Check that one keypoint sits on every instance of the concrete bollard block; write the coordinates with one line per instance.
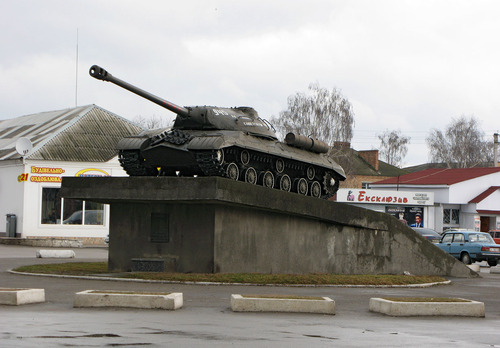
(495, 270)
(109, 298)
(62, 254)
(468, 308)
(15, 297)
(322, 305)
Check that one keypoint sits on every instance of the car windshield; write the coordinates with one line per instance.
(480, 238)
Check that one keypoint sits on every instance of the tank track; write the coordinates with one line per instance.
(249, 166)
(269, 171)
(132, 162)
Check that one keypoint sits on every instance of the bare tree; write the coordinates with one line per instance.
(322, 113)
(461, 145)
(152, 122)
(393, 147)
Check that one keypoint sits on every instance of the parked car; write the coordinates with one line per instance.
(495, 234)
(427, 233)
(92, 217)
(471, 246)
(106, 239)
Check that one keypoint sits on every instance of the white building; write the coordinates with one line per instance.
(463, 198)
(36, 151)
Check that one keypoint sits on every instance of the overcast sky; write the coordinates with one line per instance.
(404, 65)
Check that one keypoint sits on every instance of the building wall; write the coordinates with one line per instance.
(11, 194)
(358, 180)
(21, 188)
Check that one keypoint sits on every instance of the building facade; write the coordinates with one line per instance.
(463, 198)
(36, 151)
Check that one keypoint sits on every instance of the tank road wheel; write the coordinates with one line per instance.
(310, 173)
(244, 157)
(251, 175)
(330, 184)
(315, 189)
(232, 171)
(285, 183)
(280, 165)
(301, 186)
(267, 179)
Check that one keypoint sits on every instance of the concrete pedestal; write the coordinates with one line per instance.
(212, 224)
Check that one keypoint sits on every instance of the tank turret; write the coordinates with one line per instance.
(241, 118)
(232, 142)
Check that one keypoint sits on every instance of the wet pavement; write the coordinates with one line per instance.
(206, 319)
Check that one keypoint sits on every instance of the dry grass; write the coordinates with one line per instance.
(93, 268)
(425, 299)
(285, 297)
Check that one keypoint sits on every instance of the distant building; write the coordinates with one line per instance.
(37, 150)
(363, 167)
(463, 198)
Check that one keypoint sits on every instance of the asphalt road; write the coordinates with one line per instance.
(206, 319)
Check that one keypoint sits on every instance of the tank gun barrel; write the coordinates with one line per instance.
(101, 74)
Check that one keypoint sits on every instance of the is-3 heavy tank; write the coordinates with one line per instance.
(229, 142)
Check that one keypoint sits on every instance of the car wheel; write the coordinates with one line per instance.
(492, 263)
(465, 258)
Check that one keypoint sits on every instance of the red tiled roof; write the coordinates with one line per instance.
(485, 194)
(439, 176)
(490, 212)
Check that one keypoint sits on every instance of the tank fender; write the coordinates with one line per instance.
(206, 143)
(133, 143)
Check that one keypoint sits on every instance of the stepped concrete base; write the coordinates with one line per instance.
(58, 254)
(15, 297)
(403, 309)
(108, 298)
(217, 225)
(241, 303)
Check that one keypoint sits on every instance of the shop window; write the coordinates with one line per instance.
(451, 216)
(51, 206)
(73, 211)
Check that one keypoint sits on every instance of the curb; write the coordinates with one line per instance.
(425, 285)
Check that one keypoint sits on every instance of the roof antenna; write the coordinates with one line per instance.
(76, 79)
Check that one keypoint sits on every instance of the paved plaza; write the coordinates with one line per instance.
(206, 319)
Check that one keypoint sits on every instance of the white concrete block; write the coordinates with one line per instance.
(110, 298)
(15, 297)
(495, 270)
(399, 308)
(322, 305)
(63, 254)
(475, 268)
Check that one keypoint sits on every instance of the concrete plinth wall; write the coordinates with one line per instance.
(217, 225)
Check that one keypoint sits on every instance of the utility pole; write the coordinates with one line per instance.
(495, 150)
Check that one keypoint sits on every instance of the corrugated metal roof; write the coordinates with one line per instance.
(82, 134)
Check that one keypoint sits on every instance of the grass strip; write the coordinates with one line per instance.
(425, 299)
(285, 297)
(93, 268)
